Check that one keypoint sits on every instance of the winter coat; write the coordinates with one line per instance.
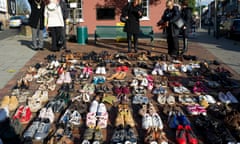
(37, 15)
(132, 25)
(170, 16)
(186, 14)
(65, 10)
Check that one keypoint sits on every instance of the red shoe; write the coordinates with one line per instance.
(181, 135)
(124, 68)
(118, 69)
(192, 139)
(26, 115)
(18, 113)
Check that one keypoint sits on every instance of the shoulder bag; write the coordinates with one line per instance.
(179, 23)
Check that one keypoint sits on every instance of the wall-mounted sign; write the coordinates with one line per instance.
(3, 5)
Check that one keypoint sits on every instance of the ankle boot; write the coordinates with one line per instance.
(129, 46)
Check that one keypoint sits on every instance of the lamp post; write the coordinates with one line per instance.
(215, 18)
(200, 15)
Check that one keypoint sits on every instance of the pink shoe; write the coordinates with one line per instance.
(91, 120)
(60, 79)
(89, 70)
(102, 120)
(67, 78)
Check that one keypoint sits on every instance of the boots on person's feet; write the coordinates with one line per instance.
(129, 46)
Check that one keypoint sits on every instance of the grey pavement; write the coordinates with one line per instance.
(14, 54)
(228, 51)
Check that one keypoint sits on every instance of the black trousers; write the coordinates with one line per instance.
(173, 45)
(185, 40)
(56, 34)
(135, 40)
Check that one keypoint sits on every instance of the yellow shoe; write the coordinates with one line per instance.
(128, 118)
(5, 101)
(13, 103)
(120, 118)
(114, 76)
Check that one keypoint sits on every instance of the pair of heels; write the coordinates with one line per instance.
(118, 75)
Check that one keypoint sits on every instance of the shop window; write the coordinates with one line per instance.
(78, 11)
(145, 6)
(105, 13)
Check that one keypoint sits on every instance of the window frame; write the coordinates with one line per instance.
(79, 10)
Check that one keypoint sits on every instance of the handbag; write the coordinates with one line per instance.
(179, 23)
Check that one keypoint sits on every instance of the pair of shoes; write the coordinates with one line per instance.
(47, 113)
(118, 75)
(64, 78)
(140, 99)
(42, 94)
(39, 129)
(124, 135)
(71, 116)
(124, 117)
(118, 90)
(184, 134)
(101, 70)
(99, 79)
(23, 114)
(122, 68)
(10, 102)
(163, 99)
(97, 116)
(92, 135)
(152, 120)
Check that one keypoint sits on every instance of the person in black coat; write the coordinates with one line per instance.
(36, 21)
(186, 14)
(65, 12)
(170, 15)
(132, 12)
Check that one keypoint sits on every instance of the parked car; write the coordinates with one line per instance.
(234, 30)
(16, 21)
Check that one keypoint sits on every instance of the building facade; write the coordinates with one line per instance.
(3, 12)
(91, 13)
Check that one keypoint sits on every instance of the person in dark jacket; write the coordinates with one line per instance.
(170, 15)
(186, 14)
(65, 13)
(36, 21)
(132, 12)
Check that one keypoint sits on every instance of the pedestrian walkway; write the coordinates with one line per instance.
(226, 50)
(14, 54)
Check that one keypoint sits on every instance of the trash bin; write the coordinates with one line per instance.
(82, 35)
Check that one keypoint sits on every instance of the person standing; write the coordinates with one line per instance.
(132, 12)
(171, 15)
(36, 21)
(186, 14)
(65, 13)
(54, 23)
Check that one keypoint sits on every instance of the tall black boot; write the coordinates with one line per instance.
(135, 46)
(129, 46)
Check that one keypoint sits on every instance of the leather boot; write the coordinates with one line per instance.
(135, 47)
(129, 46)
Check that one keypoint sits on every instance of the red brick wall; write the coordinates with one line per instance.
(89, 13)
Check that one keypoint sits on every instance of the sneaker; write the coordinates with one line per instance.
(42, 130)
